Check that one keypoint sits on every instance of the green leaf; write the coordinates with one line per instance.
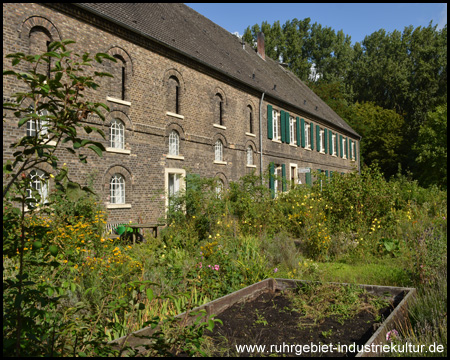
(97, 149)
(150, 294)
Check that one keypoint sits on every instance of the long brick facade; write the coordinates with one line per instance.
(160, 87)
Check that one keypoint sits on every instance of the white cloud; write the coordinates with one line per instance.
(236, 33)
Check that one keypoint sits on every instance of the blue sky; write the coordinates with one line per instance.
(356, 20)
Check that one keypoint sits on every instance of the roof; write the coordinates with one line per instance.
(179, 27)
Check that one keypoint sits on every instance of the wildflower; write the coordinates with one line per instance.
(275, 270)
(216, 267)
(392, 335)
(200, 265)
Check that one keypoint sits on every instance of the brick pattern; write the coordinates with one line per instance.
(148, 99)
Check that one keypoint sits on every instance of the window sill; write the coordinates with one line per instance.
(118, 101)
(250, 134)
(322, 152)
(220, 126)
(307, 148)
(277, 141)
(118, 206)
(220, 162)
(175, 157)
(291, 144)
(118, 151)
(178, 116)
(251, 166)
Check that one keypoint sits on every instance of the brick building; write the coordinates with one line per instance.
(187, 97)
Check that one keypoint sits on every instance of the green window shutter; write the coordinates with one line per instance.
(269, 122)
(283, 176)
(288, 128)
(325, 134)
(331, 174)
(297, 124)
(356, 151)
(283, 126)
(302, 125)
(311, 127)
(330, 137)
(272, 179)
(340, 145)
(318, 144)
(350, 148)
(326, 173)
(308, 177)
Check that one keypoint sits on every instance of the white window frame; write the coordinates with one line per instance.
(275, 125)
(353, 149)
(292, 126)
(38, 125)
(39, 183)
(344, 148)
(322, 141)
(117, 189)
(174, 143)
(117, 134)
(179, 175)
(333, 144)
(308, 136)
(218, 151)
(294, 167)
(249, 156)
(277, 173)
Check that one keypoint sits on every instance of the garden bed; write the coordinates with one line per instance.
(285, 314)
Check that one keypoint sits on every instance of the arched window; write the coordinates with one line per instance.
(218, 111)
(38, 183)
(219, 186)
(173, 102)
(117, 189)
(174, 143)
(250, 119)
(218, 151)
(118, 70)
(38, 126)
(117, 134)
(249, 155)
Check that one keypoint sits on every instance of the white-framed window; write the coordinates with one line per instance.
(249, 155)
(38, 126)
(276, 125)
(292, 127)
(174, 143)
(219, 187)
(174, 183)
(117, 189)
(278, 183)
(344, 147)
(218, 151)
(322, 141)
(307, 136)
(333, 144)
(117, 134)
(39, 182)
(353, 150)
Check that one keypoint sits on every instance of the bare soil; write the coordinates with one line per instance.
(271, 319)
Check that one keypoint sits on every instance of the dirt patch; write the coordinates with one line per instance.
(283, 320)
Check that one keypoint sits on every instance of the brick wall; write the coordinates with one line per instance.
(147, 110)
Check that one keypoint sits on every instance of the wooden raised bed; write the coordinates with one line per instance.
(400, 296)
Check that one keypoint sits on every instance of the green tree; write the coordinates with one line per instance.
(381, 131)
(56, 104)
(431, 148)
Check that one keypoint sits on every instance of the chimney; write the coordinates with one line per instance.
(260, 42)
